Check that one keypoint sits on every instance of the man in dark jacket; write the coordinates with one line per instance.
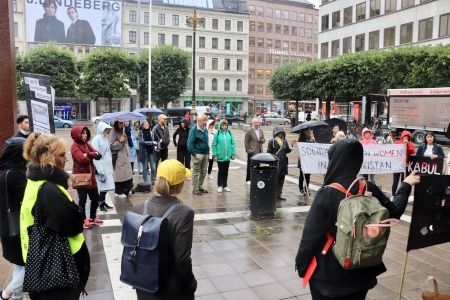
(162, 131)
(182, 132)
(199, 148)
(49, 28)
(23, 122)
(80, 31)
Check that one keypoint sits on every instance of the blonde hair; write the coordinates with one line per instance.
(163, 188)
(202, 117)
(40, 149)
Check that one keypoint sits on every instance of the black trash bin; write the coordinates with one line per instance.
(264, 183)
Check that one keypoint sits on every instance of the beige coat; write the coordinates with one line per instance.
(252, 144)
(122, 171)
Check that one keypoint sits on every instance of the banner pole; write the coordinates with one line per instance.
(403, 276)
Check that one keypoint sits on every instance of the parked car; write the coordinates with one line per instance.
(277, 120)
(233, 119)
(60, 123)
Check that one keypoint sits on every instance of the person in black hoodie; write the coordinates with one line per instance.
(183, 155)
(149, 144)
(330, 280)
(12, 187)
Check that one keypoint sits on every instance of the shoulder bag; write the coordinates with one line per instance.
(50, 263)
(83, 180)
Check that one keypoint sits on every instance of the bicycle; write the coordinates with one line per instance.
(387, 137)
(354, 131)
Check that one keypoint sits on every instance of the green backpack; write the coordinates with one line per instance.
(362, 228)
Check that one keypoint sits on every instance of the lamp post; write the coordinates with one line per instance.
(194, 18)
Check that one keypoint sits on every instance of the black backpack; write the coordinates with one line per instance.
(145, 256)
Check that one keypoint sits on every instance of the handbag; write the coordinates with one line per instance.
(13, 216)
(50, 263)
(434, 295)
(82, 180)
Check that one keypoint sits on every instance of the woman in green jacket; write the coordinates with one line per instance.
(224, 150)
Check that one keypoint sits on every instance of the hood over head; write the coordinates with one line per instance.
(365, 130)
(186, 123)
(12, 156)
(220, 124)
(406, 133)
(345, 160)
(277, 129)
(101, 128)
(209, 123)
(76, 131)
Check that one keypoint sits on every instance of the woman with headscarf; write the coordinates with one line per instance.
(12, 187)
(330, 280)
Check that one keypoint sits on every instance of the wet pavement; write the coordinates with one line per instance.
(238, 255)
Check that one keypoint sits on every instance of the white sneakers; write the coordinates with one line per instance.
(210, 177)
(226, 189)
(121, 195)
(219, 189)
(248, 182)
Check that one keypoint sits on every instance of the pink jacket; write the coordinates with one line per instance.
(369, 141)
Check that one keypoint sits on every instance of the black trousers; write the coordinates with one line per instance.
(162, 155)
(184, 157)
(210, 165)
(316, 295)
(222, 176)
(247, 177)
(82, 198)
(300, 180)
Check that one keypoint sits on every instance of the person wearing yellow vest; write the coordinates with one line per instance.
(46, 155)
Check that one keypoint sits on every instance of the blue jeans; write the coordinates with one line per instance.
(150, 157)
(16, 283)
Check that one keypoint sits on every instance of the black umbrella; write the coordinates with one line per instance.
(339, 122)
(322, 135)
(313, 125)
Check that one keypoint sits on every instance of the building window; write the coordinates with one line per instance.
(259, 89)
(277, 13)
(132, 36)
(161, 19)
(227, 44)
(301, 31)
(301, 17)
(406, 4)
(240, 26)
(276, 59)
(308, 33)
(308, 47)
(188, 41)
(251, 41)
(15, 7)
(226, 85)
(348, 15)
(286, 30)
(201, 42)
(239, 85)
(201, 84)
(268, 73)
(334, 48)
(227, 64)
(215, 63)
(285, 45)
(286, 15)
(444, 25)
(324, 50)
(239, 64)
(269, 91)
(214, 84)
(285, 59)
(227, 25)
(215, 43)
(360, 42)
(301, 46)
(425, 29)
(294, 16)
(325, 21)
(240, 45)
(251, 89)
(16, 29)
(389, 37)
(293, 46)
(269, 28)
(375, 8)
(347, 45)
(259, 74)
(132, 16)
(201, 63)
(260, 11)
(336, 19)
(146, 38)
(361, 11)
(316, 33)
(277, 44)
(146, 17)
(309, 18)
(175, 40)
(251, 9)
(277, 28)
(251, 73)
(390, 6)
(406, 31)
(374, 40)
(251, 25)
(268, 59)
(269, 12)
(316, 48)
(161, 38)
(260, 26)
(294, 31)
(251, 57)
(260, 43)
(269, 43)
(215, 24)
(260, 57)
(175, 20)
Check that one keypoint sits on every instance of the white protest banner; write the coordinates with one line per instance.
(378, 159)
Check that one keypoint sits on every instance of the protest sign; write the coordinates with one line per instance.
(425, 165)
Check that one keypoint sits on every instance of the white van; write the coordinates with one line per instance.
(200, 109)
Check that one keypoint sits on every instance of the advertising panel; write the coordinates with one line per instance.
(80, 22)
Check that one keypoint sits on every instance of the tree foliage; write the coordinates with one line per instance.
(170, 70)
(48, 59)
(108, 73)
(352, 75)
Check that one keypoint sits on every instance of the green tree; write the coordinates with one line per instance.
(108, 73)
(170, 71)
(48, 59)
